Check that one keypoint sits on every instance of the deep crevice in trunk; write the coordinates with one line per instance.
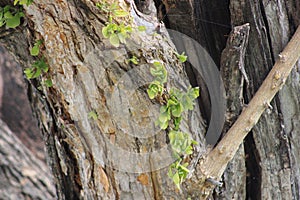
(265, 19)
(253, 182)
(213, 26)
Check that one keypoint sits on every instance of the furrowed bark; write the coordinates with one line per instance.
(89, 74)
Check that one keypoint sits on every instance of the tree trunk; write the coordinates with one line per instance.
(117, 156)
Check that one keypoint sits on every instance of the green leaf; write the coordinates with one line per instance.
(158, 64)
(120, 13)
(113, 6)
(41, 64)
(159, 72)
(152, 93)
(105, 32)
(102, 6)
(48, 83)
(8, 15)
(189, 150)
(163, 109)
(172, 102)
(142, 28)
(1, 14)
(122, 38)
(29, 2)
(114, 40)
(35, 50)
(154, 89)
(6, 8)
(23, 2)
(134, 60)
(182, 57)
(164, 125)
(29, 73)
(164, 116)
(39, 42)
(187, 103)
(194, 92)
(170, 173)
(172, 137)
(13, 22)
(177, 121)
(37, 73)
(177, 110)
(176, 178)
(128, 29)
(93, 115)
(20, 14)
(193, 142)
(184, 169)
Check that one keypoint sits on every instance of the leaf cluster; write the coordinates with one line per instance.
(156, 87)
(10, 16)
(39, 66)
(178, 172)
(112, 9)
(116, 32)
(170, 118)
(177, 103)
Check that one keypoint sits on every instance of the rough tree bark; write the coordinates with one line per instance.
(86, 71)
(78, 55)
